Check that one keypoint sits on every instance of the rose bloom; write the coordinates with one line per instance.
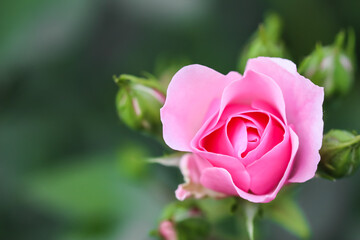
(248, 135)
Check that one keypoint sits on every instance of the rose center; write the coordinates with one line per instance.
(246, 136)
(253, 140)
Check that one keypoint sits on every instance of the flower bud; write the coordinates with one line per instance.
(265, 42)
(167, 230)
(332, 67)
(166, 67)
(183, 221)
(138, 103)
(340, 154)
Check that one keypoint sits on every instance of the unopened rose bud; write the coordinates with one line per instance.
(340, 154)
(332, 67)
(265, 42)
(138, 103)
(167, 230)
(183, 222)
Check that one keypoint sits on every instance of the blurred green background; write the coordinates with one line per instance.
(71, 170)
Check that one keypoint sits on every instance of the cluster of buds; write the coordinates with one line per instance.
(139, 101)
(332, 67)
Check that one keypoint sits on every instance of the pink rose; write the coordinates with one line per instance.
(167, 230)
(250, 134)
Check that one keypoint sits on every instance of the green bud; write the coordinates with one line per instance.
(166, 67)
(332, 67)
(265, 42)
(340, 154)
(138, 103)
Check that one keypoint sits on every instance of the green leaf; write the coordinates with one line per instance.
(287, 213)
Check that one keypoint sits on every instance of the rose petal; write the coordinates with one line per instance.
(236, 132)
(255, 89)
(181, 193)
(211, 142)
(257, 118)
(190, 93)
(266, 172)
(220, 180)
(272, 136)
(241, 178)
(285, 63)
(253, 140)
(303, 102)
(191, 166)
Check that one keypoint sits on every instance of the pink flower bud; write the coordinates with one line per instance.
(167, 230)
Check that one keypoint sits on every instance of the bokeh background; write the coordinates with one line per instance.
(70, 170)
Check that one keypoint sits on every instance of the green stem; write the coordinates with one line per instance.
(251, 210)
